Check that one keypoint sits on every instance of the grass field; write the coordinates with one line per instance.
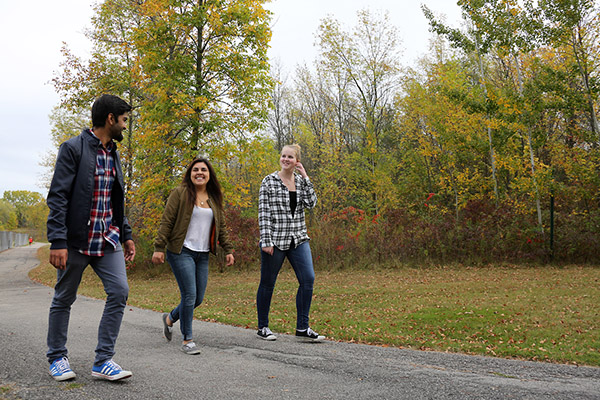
(535, 313)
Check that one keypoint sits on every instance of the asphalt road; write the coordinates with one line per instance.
(235, 364)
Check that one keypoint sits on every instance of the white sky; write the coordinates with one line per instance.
(32, 32)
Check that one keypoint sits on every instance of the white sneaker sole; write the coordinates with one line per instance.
(64, 377)
(191, 353)
(119, 376)
(310, 340)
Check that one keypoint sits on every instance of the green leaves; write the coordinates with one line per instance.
(24, 209)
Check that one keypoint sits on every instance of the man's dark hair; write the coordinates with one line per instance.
(105, 105)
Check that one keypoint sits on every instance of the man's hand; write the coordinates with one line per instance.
(129, 250)
(229, 260)
(58, 258)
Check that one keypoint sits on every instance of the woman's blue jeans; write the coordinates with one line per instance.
(191, 272)
(301, 260)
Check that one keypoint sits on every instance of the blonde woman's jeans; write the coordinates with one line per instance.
(300, 258)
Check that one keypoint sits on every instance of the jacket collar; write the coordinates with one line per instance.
(93, 139)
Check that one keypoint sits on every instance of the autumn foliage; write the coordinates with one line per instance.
(487, 150)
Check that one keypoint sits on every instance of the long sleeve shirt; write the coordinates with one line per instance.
(275, 220)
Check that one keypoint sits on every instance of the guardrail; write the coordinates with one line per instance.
(12, 239)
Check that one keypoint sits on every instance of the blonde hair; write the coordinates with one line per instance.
(295, 148)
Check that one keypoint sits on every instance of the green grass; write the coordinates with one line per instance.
(539, 313)
(73, 386)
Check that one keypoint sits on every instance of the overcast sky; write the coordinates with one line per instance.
(32, 32)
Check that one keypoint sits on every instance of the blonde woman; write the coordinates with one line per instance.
(283, 197)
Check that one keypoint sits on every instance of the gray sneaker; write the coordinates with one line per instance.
(167, 330)
(190, 348)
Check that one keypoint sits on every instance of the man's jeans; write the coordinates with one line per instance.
(110, 268)
(191, 272)
(301, 260)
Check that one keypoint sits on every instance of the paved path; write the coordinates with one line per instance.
(235, 364)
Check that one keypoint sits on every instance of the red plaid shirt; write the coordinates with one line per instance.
(101, 228)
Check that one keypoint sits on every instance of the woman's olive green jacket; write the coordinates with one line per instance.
(176, 219)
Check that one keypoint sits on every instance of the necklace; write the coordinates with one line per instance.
(202, 201)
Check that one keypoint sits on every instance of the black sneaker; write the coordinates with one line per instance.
(309, 336)
(266, 334)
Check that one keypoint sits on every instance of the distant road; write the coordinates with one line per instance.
(235, 364)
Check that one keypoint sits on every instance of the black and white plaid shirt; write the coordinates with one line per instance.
(277, 225)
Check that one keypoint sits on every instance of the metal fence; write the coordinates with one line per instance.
(12, 239)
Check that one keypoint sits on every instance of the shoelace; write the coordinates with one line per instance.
(62, 365)
(113, 365)
(267, 331)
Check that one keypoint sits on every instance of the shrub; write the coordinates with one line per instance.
(484, 233)
(244, 236)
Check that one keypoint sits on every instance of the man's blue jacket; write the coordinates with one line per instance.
(71, 193)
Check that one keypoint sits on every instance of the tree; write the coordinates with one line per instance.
(204, 65)
(366, 64)
(204, 74)
(27, 207)
(110, 69)
(478, 42)
(196, 73)
(573, 27)
(283, 118)
(8, 216)
(500, 27)
(441, 145)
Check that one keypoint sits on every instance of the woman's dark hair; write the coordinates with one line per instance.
(212, 187)
(105, 105)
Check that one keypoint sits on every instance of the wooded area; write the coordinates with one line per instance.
(487, 151)
(24, 212)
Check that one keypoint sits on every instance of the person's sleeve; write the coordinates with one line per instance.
(224, 235)
(309, 197)
(127, 231)
(264, 215)
(59, 196)
(167, 221)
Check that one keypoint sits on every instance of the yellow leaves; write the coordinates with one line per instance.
(508, 107)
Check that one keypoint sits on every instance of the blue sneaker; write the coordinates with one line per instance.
(111, 371)
(60, 369)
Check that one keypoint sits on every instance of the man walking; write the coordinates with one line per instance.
(86, 226)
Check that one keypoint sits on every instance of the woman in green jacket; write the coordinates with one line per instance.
(191, 226)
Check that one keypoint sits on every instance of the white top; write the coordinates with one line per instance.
(198, 232)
